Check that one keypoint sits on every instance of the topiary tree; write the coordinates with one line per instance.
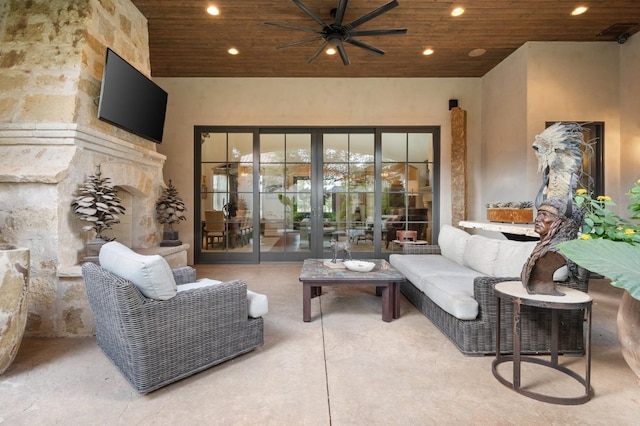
(98, 203)
(170, 207)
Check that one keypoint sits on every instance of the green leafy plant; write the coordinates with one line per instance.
(98, 203)
(170, 208)
(608, 245)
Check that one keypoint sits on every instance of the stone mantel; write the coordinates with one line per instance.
(42, 152)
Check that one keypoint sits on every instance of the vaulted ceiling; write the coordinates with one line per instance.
(185, 41)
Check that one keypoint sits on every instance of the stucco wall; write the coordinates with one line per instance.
(557, 81)
(309, 102)
(629, 116)
(504, 139)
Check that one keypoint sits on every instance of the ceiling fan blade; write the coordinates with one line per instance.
(342, 6)
(308, 11)
(373, 14)
(343, 53)
(390, 31)
(292, 27)
(315, 55)
(365, 46)
(295, 43)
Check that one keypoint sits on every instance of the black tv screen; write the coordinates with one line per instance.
(129, 100)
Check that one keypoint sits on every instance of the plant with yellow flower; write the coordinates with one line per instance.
(608, 245)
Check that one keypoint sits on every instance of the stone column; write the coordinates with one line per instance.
(458, 165)
(14, 285)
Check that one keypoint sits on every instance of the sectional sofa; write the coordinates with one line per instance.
(452, 285)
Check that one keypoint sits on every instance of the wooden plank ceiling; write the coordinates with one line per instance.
(187, 42)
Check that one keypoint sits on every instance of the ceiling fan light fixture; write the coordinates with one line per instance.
(335, 35)
(331, 51)
(457, 11)
(579, 10)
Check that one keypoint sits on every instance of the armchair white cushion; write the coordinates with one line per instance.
(150, 274)
(257, 304)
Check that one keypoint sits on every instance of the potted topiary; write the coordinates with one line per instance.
(169, 210)
(97, 203)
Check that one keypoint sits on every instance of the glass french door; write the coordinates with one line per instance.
(271, 194)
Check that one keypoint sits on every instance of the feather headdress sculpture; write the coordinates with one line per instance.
(559, 149)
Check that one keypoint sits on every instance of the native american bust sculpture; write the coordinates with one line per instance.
(559, 154)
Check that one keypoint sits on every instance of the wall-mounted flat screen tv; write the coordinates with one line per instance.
(129, 100)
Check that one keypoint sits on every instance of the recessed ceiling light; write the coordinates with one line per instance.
(477, 52)
(428, 51)
(212, 10)
(233, 51)
(579, 10)
(457, 11)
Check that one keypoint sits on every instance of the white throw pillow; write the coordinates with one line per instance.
(512, 255)
(258, 304)
(481, 254)
(452, 242)
(150, 274)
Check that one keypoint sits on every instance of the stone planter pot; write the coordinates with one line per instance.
(628, 322)
(170, 239)
(92, 250)
(14, 286)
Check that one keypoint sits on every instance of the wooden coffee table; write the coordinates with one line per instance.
(384, 277)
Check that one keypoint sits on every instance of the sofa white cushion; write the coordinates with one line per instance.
(452, 292)
(150, 274)
(512, 255)
(452, 242)
(446, 283)
(481, 253)
(417, 266)
(258, 304)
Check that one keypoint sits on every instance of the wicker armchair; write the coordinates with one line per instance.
(477, 337)
(157, 342)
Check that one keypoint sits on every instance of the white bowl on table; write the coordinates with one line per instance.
(359, 265)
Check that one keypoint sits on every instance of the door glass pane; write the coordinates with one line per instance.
(240, 146)
(271, 148)
(214, 147)
(335, 147)
(299, 148)
(394, 147)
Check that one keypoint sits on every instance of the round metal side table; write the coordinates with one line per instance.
(573, 299)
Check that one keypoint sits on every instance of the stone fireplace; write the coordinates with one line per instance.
(51, 60)
(45, 166)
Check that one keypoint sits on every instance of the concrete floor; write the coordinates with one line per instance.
(345, 367)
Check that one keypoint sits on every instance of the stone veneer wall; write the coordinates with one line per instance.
(51, 60)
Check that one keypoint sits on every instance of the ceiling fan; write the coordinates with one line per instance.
(336, 34)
